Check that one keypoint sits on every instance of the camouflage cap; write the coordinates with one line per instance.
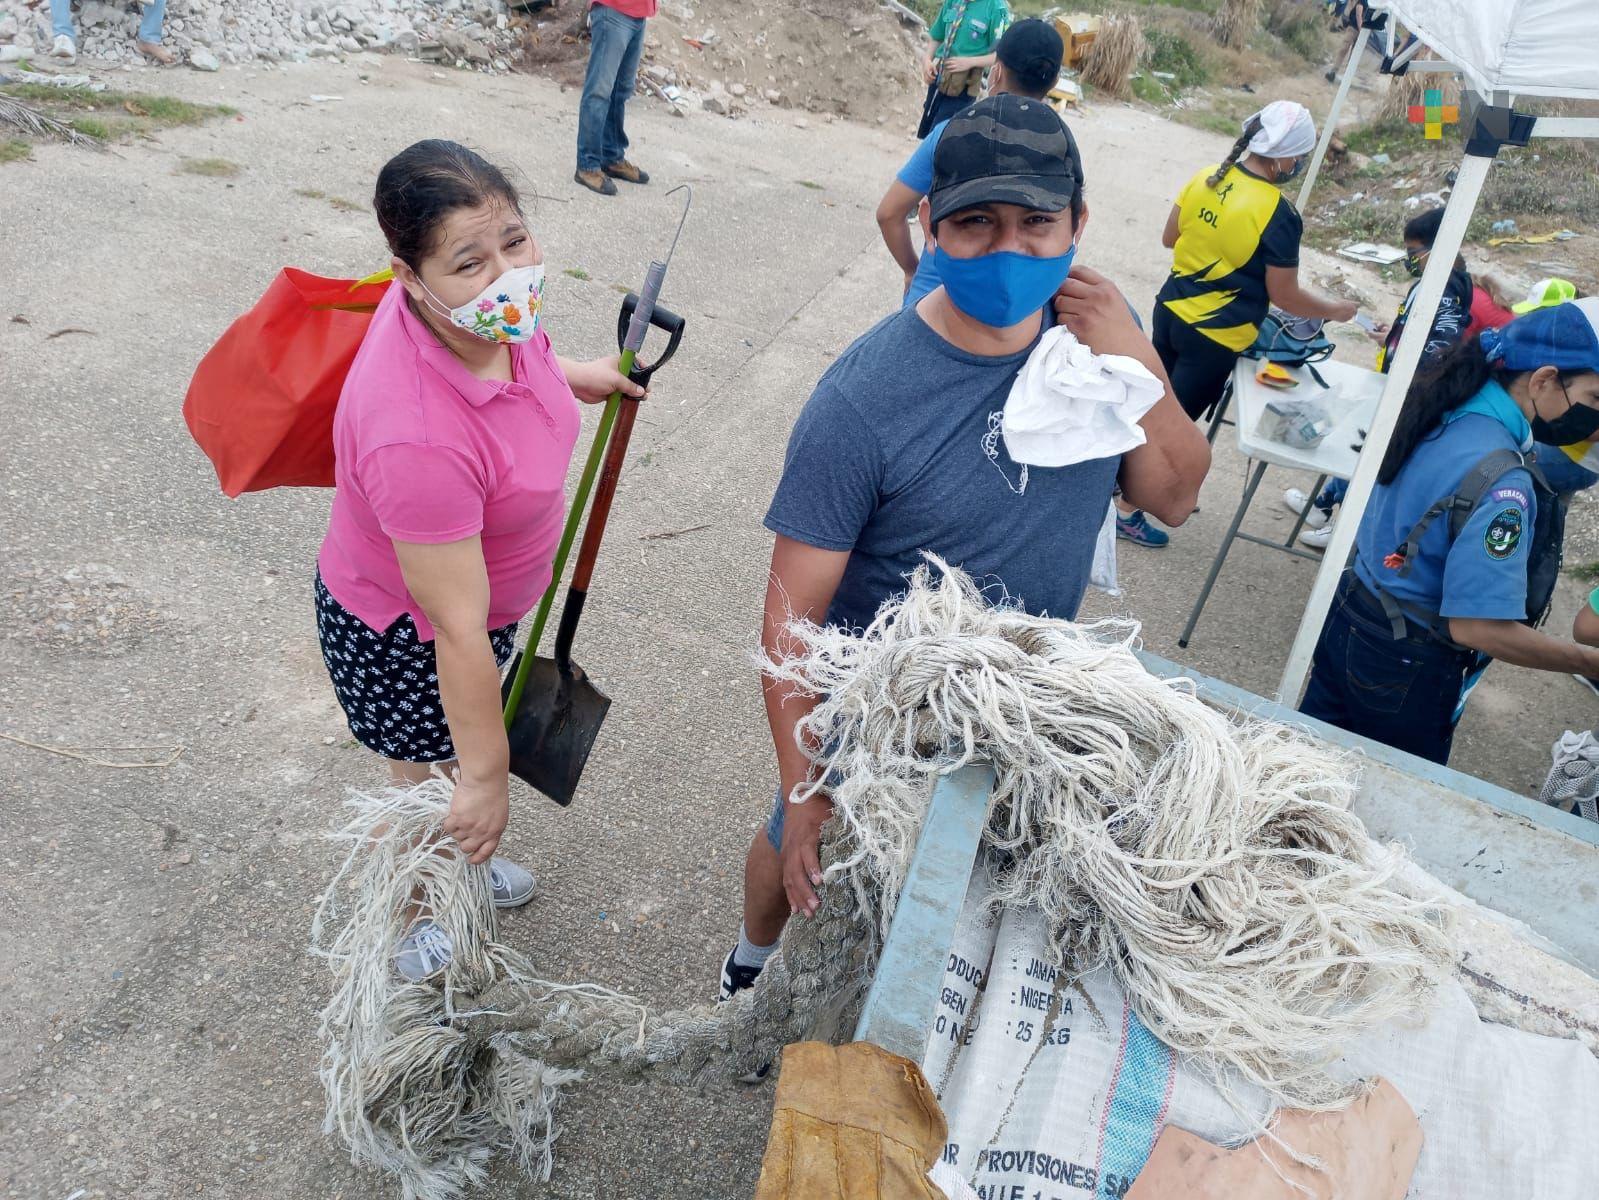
(1007, 149)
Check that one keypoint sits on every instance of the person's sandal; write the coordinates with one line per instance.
(156, 53)
(626, 172)
(595, 181)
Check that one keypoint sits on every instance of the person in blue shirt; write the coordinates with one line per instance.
(1027, 63)
(896, 453)
(1459, 546)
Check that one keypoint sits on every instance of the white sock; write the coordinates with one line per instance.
(748, 954)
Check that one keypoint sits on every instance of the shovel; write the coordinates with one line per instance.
(552, 728)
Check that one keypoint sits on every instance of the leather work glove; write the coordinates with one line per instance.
(851, 1122)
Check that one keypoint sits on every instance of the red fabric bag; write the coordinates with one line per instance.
(261, 401)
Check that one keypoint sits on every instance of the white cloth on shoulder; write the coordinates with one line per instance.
(1070, 405)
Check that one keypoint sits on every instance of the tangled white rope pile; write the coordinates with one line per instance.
(1212, 865)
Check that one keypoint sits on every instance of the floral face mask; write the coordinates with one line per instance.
(505, 311)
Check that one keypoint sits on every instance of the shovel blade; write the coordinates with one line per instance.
(554, 730)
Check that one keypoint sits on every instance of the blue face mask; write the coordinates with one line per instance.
(1004, 288)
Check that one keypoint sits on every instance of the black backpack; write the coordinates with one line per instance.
(1544, 555)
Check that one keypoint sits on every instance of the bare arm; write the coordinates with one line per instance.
(1282, 285)
(1523, 646)
(800, 586)
(897, 204)
(1586, 627)
(450, 583)
(1168, 236)
(1163, 475)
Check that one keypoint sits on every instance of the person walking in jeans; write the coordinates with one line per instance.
(148, 39)
(616, 33)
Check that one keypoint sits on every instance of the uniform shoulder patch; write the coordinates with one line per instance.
(1503, 534)
(1510, 495)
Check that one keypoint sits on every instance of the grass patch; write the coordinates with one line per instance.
(343, 205)
(212, 168)
(576, 273)
(810, 183)
(113, 115)
(1172, 52)
(310, 193)
(1386, 137)
(91, 127)
(1585, 572)
(1301, 27)
(1150, 90)
(1208, 119)
(15, 150)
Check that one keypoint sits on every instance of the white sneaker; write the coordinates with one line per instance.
(64, 49)
(1295, 500)
(423, 951)
(1317, 539)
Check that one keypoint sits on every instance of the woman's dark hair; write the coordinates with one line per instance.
(1424, 228)
(1237, 152)
(423, 184)
(1453, 379)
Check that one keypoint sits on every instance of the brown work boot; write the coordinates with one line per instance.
(156, 53)
(596, 181)
(626, 172)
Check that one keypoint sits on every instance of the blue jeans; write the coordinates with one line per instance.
(617, 44)
(1563, 475)
(149, 28)
(1403, 693)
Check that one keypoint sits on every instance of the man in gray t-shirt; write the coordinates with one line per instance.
(898, 450)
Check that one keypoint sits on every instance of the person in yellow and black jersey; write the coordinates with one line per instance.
(1235, 243)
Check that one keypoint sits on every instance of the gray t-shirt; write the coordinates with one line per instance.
(898, 451)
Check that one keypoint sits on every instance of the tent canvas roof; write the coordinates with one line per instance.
(1526, 47)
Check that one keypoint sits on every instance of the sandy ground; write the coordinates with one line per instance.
(162, 1006)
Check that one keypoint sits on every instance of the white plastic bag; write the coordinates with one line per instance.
(1070, 405)
(1103, 573)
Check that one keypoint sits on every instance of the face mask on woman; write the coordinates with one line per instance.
(507, 310)
(1577, 424)
(1004, 288)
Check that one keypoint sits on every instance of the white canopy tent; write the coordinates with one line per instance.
(1502, 49)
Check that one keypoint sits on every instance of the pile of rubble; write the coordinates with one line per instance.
(843, 58)
(210, 32)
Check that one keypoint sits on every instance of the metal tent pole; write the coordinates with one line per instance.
(1330, 124)
(1418, 321)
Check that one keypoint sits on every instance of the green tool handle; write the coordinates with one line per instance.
(580, 499)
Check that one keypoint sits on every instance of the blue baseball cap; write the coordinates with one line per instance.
(1563, 336)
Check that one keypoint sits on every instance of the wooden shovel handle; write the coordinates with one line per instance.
(604, 492)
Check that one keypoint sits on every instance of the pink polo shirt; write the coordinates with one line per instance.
(427, 452)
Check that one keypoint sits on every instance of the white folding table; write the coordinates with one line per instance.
(1351, 402)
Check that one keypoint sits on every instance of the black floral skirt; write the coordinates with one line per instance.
(388, 683)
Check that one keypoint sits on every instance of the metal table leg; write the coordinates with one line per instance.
(1221, 554)
(1321, 482)
(1216, 419)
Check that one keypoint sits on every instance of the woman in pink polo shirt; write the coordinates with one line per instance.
(452, 438)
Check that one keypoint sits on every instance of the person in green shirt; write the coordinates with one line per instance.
(960, 47)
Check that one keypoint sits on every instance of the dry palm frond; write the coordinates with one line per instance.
(1115, 54)
(30, 121)
(1236, 21)
(1409, 89)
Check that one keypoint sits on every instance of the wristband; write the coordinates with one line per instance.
(1593, 601)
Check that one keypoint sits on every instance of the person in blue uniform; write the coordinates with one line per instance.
(1458, 550)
